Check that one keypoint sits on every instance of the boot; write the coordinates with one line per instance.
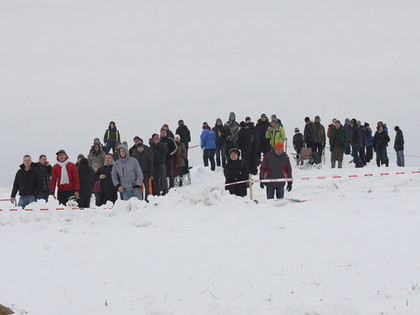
(378, 162)
(387, 162)
(180, 181)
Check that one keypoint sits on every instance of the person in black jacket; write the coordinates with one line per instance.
(399, 146)
(185, 135)
(253, 162)
(298, 141)
(169, 162)
(380, 143)
(244, 143)
(356, 142)
(27, 182)
(221, 135)
(146, 165)
(235, 170)
(112, 137)
(263, 143)
(309, 133)
(160, 183)
(104, 174)
(86, 181)
(45, 170)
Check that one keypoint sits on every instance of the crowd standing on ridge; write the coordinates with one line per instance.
(241, 148)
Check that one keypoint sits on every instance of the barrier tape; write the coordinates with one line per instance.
(48, 209)
(5, 199)
(279, 180)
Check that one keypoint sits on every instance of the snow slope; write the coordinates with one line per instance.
(352, 248)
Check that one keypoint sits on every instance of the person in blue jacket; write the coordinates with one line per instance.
(208, 144)
(369, 143)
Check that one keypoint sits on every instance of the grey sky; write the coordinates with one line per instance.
(69, 67)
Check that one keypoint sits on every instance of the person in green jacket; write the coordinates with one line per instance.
(338, 142)
(275, 133)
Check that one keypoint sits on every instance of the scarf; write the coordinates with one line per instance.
(64, 175)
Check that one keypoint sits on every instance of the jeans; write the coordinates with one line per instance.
(355, 150)
(278, 190)
(110, 146)
(221, 150)
(26, 200)
(400, 158)
(135, 192)
(209, 155)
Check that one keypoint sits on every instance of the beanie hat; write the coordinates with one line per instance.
(247, 118)
(95, 165)
(165, 126)
(397, 128)
(242, 124)
(347, 121)
(155, 137)
(232, 114)
(296, 129)
(217, 120)
(279, 146)
(180, 122)
(263, 115)
(177, 136)
(234, 150)
(307, 119)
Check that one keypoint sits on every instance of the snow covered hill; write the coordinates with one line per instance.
(352, 248)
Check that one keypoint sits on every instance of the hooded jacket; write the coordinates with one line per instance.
(399, 141)
(97, 157)
(112, 136)
(208, 139)
(28, 183)
(275, 166)
(126, 171)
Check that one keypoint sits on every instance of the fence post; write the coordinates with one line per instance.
(250, 186)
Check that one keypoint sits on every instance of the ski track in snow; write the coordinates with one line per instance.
(350, 249)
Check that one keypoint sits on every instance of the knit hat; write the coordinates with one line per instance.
(232, 114)
(307, 119)
(95, 165)
(180, 122)
(136, 138)
(247, 118)
(347, 121)
(279, 146)
(217, 120)
(397, 128)
(242, 124)
(61, 151)
(263, 115)
(165, 126)
(235, 150)
(296, 129)
(177, 136)
(155, 136)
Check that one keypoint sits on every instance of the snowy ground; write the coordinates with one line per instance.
(352, 248)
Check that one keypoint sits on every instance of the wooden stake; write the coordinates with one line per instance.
(250, 186)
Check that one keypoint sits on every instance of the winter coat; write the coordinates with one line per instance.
(244, 140)
(275, 166)
(159, 151)
(369, 138)
(308, 133)
(348, 130)
(276, 134)
(182, 154)
(235, 171)
(145, 160)
(330, 127)
(107, 186)
(127, 172)
(381, 139)
(73, 178)
(184, 133)
(224, 133)
(97, 157)
(233, 128)
(319, 133)
(112, 136)
(86, 180)
(356, 136)
(399, 141)
(262, 127)
(45, 173)
(341, 133)
(171, 145)
(254, 137)
(28, 183)
(208, 139)
(298, 142)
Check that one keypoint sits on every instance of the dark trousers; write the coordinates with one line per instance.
(170, 172)
(362, 154)
(369, 154)
(382, 156)
(221, 151)
(146, 185)
(355, 149)
(63, 196)
(278, 190)
(84, 201)
(209, 155)
(264, 147)
(160, 183)
(43, 195)
(318, 147)
(108, 197)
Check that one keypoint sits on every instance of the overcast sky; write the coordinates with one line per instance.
(69, 67)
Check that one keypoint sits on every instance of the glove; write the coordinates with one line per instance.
(289, 186)
(262, 185)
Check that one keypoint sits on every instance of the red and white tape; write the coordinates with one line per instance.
(50, 209)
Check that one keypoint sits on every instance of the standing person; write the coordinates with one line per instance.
(276, 165)
(185, 135)
(208, 144)
(348, 133)
(263, 143)
(308, 133)
(137, 140)
(169, 162)
(86, 181)
(146, 164)
(233, 127)
(65, 177)
(363, 146)
(254, 148)
(182, 158)
(96, 185)
(160, 183)
(275, 133)
(244, 144)
(399, 146)
(168, 132)
(319, 137)
(127, 175)
(108, 190)
(28, 183)
(96, 155)
(369, 142)
(221, 135)
(298, 141)
(331, 127)
(380, 142)
(112, 137)
(235, 170)
(45, 170)
(356, 142)
(338, 142)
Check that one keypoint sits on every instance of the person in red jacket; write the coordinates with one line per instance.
(65, 177)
